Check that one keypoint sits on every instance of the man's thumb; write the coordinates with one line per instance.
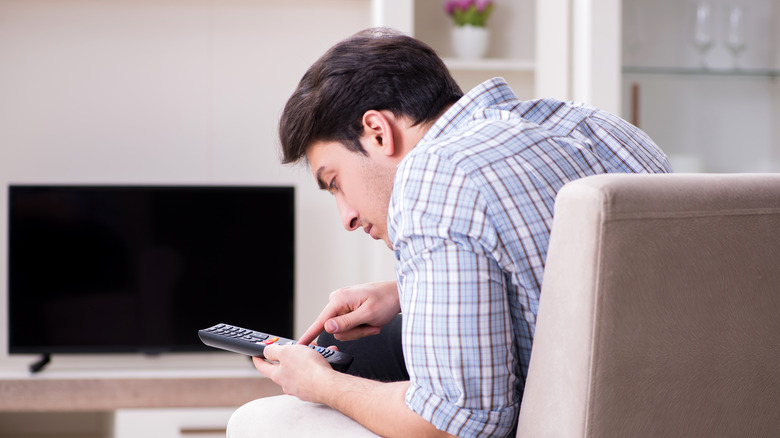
(331, 326)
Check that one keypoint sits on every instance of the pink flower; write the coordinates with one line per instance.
(469, 12)
(449, 7)
(482, 4)
(452, 5)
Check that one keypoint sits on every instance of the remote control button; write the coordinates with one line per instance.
(271, 341)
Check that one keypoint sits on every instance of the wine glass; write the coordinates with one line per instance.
(735, 36)
(702, 31)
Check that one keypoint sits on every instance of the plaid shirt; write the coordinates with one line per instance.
(469, 220)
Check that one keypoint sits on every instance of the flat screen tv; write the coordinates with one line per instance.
(117, 269)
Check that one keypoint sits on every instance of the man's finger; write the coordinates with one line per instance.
(311, 333)
(357, 333)
(270, 352)
(265, 368)
(357, 319)
(317, 327)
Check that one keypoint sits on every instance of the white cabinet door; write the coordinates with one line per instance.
(171, 423)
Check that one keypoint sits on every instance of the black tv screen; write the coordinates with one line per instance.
(143, 268)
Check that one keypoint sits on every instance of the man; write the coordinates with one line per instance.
(462, 189)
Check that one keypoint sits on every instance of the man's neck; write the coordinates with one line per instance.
(411, 135)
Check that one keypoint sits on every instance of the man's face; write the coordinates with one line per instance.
(361, 184)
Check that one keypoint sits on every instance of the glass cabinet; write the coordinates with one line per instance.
(701, 78)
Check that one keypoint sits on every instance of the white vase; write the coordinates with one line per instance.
(470, 42)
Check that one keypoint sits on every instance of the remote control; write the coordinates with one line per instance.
(252, 343)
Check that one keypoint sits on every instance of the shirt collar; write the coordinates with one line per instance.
(488, 93)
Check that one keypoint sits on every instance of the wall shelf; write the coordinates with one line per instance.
(685, 71)
(491, 64)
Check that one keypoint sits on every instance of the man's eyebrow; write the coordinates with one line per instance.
(320, 181)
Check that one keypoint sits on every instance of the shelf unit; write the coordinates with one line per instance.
(543, 48)
(512, 35)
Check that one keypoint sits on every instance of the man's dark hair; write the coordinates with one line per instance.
(375, 69)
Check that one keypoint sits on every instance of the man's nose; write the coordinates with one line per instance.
(349, 216)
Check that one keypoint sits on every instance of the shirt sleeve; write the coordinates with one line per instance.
(458, 337)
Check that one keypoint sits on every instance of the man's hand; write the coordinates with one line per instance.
(378, 406)
(296, 368)
(356, 311)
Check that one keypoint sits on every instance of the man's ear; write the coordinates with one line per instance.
(378, 133)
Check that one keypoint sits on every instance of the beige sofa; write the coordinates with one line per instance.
(659, 317)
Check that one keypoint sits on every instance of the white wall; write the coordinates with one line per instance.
(173, 91)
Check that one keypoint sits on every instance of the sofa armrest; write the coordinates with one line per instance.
(286, 416)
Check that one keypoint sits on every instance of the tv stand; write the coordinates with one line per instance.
(194, 401)
(38, 366)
